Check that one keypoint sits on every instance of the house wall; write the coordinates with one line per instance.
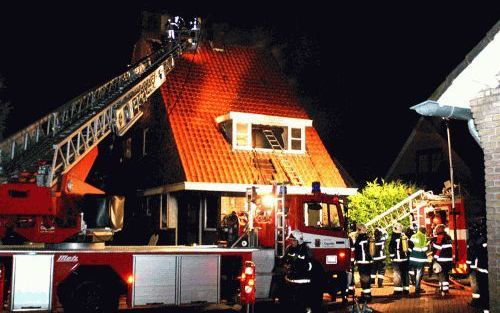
(486, 113)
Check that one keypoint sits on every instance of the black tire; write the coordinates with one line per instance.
(91, 297)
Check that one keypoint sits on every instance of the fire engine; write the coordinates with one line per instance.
(424, 209)
(270, 217)
(46, 201)
(433, 210)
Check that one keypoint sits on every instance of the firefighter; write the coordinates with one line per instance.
(301, 291)
(482, 267)
(399, 257)
(349, 290)
(418, 247)
(363, 260)
(229, 228)
(378, 266)
(472, 263)
(442, 257)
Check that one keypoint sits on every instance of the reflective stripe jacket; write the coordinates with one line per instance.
(418, 250)
(482, 257)
(442, 248)
(396, 249)
(362, 250)
(298, 262)
(380, 249)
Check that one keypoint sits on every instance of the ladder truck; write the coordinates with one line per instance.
(43, 192)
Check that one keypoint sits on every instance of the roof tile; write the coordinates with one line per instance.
(210, 84)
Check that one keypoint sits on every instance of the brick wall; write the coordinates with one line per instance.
(486, 113)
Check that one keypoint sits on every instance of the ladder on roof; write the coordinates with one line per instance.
(289, 170)
(55, 143)
(397, 212)
(272, 140)
(280, 222)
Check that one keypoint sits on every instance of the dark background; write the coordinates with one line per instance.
(357, 67)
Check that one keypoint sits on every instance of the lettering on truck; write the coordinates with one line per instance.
(67, 258)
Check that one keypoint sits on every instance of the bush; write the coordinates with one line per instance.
(376, 198)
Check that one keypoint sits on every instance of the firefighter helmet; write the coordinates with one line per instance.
(440, 229)
(436, 268)
(397, 228)
(361, 228)
(297, 235)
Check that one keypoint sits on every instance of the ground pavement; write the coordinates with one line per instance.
(383, 301)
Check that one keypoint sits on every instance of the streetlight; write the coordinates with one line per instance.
(433, 108)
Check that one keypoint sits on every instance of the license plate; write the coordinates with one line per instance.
(331, 259)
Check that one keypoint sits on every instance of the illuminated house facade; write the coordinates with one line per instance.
(225, 120)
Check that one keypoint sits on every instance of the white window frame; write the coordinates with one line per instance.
(260, 119)
(302, 140)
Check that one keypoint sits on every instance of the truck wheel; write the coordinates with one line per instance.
(92, 297)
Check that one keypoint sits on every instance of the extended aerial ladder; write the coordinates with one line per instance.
(36, 163)
(397, 212)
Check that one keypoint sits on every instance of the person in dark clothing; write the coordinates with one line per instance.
(399, 257)
(442, 249)
(481, 261)
(350, 274)
(471, 261)
(363, 260)
(378, 266)
(302, 292)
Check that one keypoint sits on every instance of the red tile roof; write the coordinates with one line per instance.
(209, 84)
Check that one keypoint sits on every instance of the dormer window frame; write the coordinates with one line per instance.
(289, 124)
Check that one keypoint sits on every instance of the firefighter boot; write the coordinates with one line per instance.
(380, 282)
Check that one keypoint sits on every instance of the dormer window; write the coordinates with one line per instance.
(247, 131)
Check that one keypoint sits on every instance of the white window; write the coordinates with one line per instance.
(242, 138)
(266, 133)
(296, 139)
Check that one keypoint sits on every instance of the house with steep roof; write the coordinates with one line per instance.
(423, 159)
(225, 120)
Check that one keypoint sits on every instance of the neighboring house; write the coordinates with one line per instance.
(472, 91)
(225, 120)
(423, 160)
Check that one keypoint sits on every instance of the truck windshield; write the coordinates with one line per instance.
(321, 215)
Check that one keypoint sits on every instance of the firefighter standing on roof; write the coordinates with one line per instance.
(399, 258)
(441, 245)
(378, 266)
(363, 260)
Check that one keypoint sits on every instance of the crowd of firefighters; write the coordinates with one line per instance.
(412, 254)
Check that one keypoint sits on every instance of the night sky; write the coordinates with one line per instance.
(358, 67)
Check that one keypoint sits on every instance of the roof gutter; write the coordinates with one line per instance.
(434, 108)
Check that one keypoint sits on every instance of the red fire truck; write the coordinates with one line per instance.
(45, 200)
(433, 210)
(320, 217)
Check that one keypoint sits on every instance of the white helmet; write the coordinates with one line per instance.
(297, 235)
(397, 228)
(436, 268)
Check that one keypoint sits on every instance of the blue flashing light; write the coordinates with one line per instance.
(282, 190)
(316, 187)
